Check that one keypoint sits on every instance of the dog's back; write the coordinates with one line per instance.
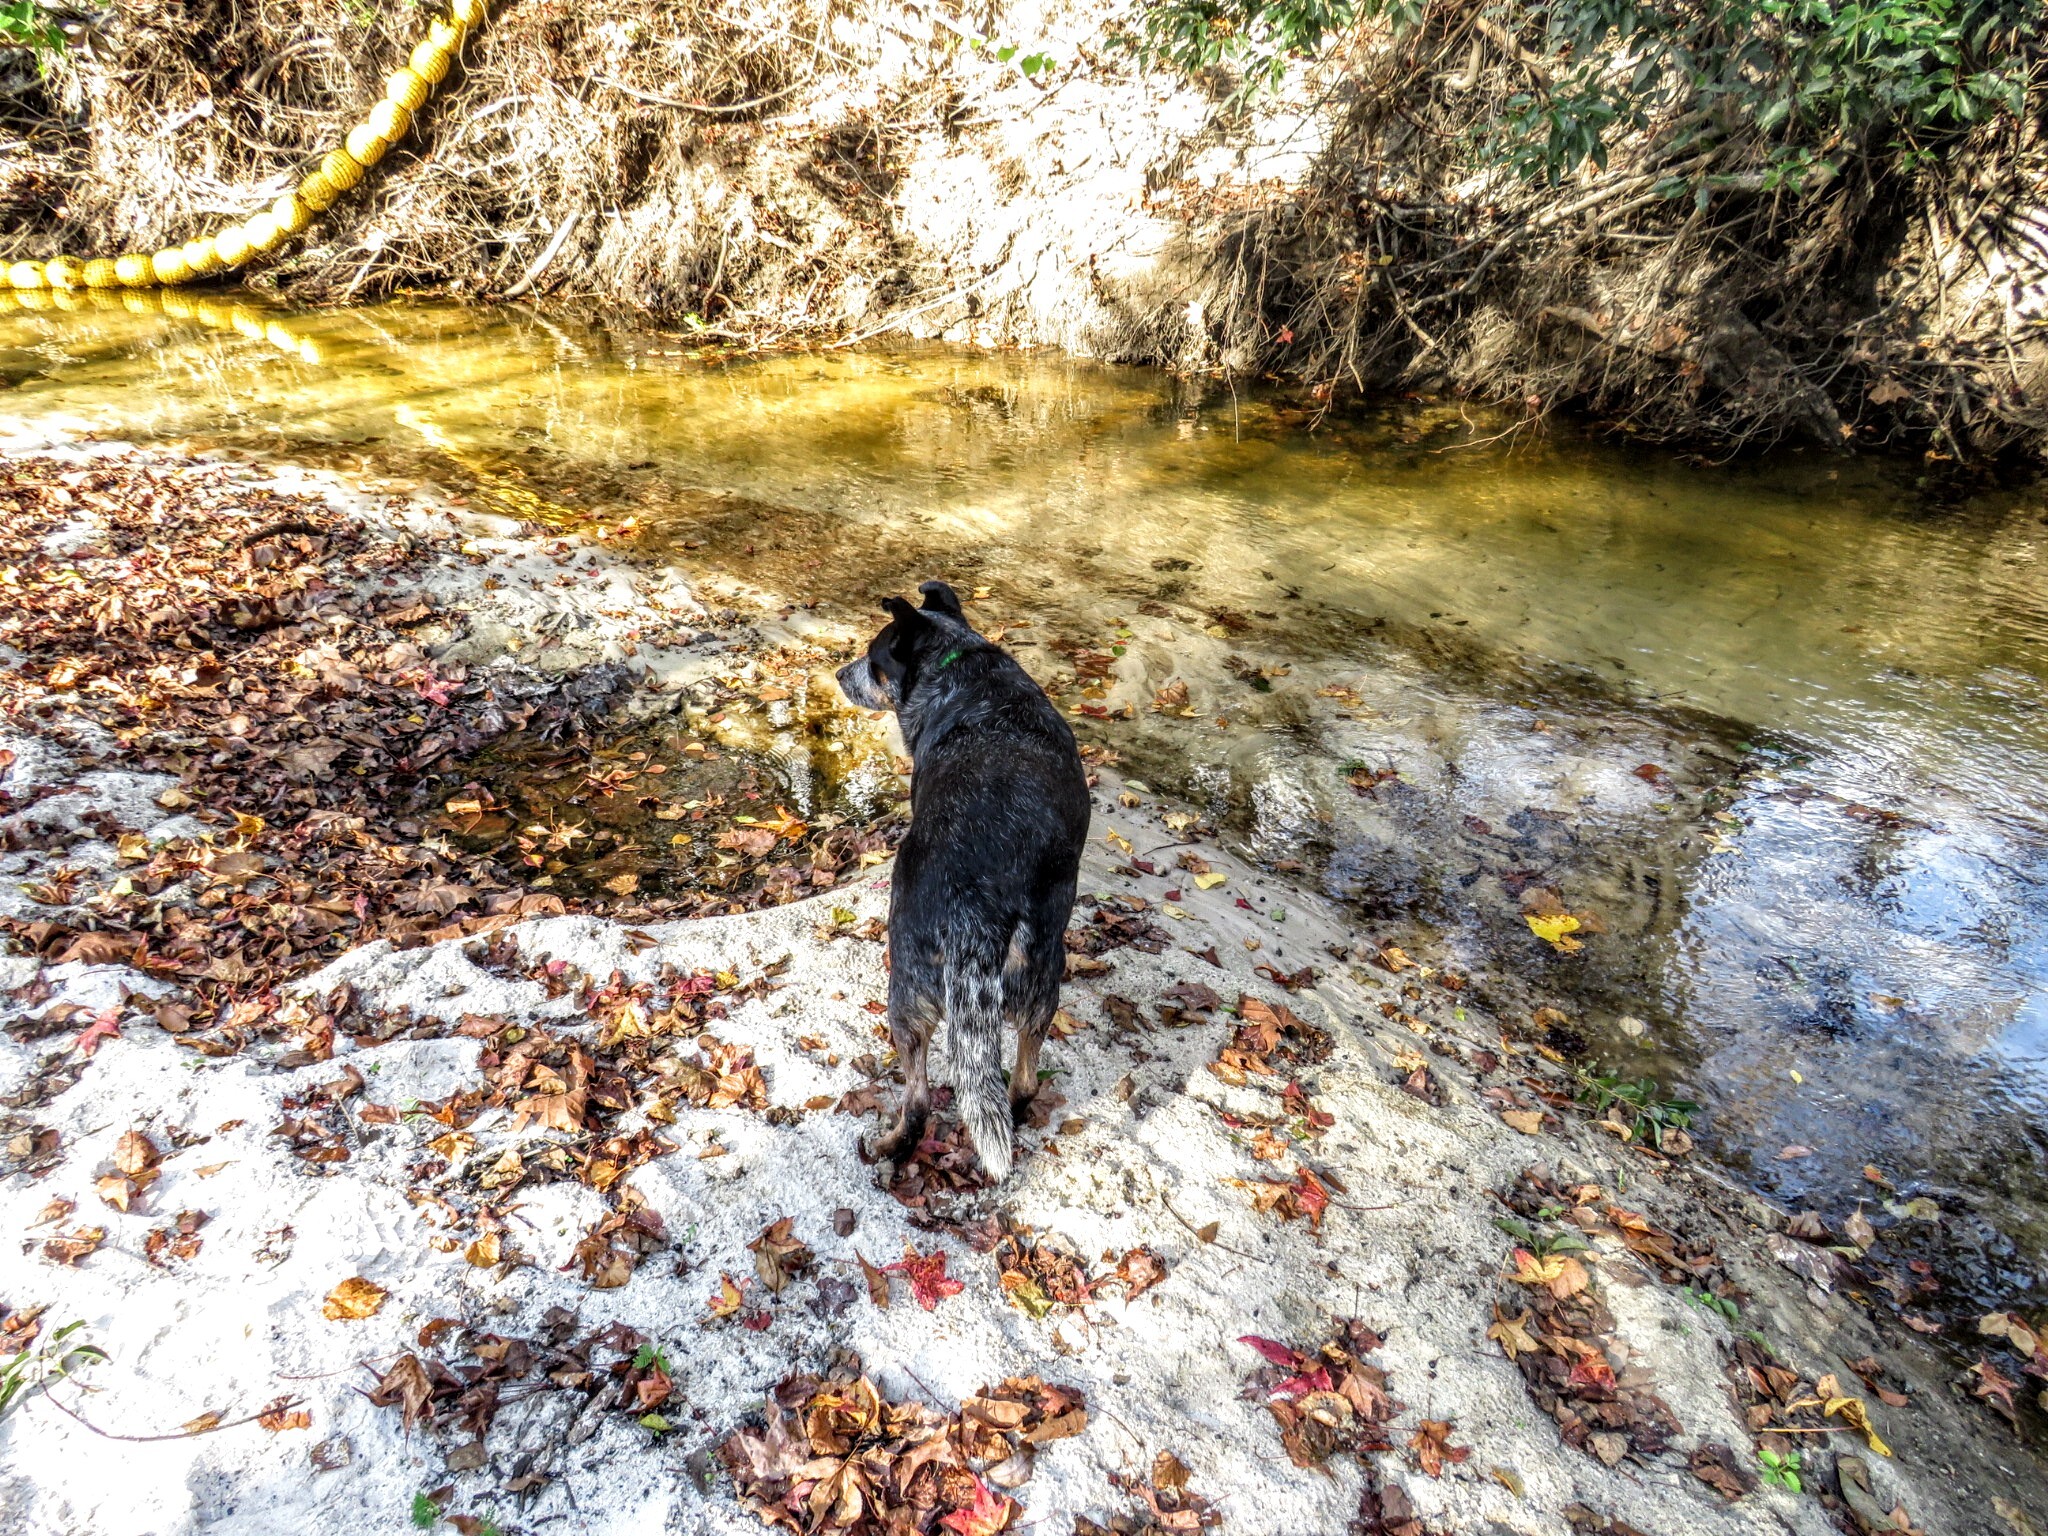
(986, 876)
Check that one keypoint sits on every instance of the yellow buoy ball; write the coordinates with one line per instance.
(408, 88)
(66, 299)
(25, 274)
(201, 256)
(263, 233)
(447, 35)
(169, 265)
(177, 305)
(388, 120)
(134, 271)
(101, 273)
(317, 192)
(63, 272)
(469, 12)
(231, 245)
(365, 145)
(291, 213)
(430, 61)
(342, 169)
(33, 298)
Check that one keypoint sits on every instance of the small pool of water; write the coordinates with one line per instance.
(1778, 730)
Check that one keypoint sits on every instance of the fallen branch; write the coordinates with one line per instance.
(282, 1405)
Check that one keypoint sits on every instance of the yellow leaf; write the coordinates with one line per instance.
(1512, 1334)
(1530, 1270)
(1117, 841)
(1209, 882)
(353, 1300)
(133, 846)
(1850, 1411)
(727, 1299)
(1527, 1121)
(1552, 929)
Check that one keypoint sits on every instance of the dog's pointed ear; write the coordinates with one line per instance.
(905, 626)
(940, 598)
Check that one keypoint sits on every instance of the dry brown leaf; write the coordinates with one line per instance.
(353, 1300)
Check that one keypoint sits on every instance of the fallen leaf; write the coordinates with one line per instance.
(926, 1272)
(1512, 1334)
(1431, 1447)
(353, 1300)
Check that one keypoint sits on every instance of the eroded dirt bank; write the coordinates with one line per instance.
(409, 1192)
(846, 171)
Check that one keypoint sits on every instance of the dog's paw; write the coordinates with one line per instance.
(885, 1149)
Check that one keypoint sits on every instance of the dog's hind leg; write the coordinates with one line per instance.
(1031, 995)
(1024, 1075)
(912, 1018)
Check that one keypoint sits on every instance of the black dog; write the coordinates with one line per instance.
(986, 876)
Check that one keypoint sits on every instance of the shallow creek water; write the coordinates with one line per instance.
(1779, 730)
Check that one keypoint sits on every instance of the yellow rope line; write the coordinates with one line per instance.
(405, 92)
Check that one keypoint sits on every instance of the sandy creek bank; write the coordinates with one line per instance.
(1297, 1123)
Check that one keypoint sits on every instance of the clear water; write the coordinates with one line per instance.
(1829, 910)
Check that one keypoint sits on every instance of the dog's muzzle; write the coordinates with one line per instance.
(858, 682)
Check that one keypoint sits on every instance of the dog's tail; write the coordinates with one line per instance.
(974, 1022)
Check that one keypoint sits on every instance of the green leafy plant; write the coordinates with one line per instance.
(1648, 1112)
(24, 24)
(1539, 1241)
(1781, 1470)
(425, 1512)
(1817, 81)
(33, 1369)
(1707, 1301)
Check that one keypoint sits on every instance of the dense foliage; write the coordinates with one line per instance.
(1817, 81)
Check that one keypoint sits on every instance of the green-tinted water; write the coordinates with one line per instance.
(1839, 869)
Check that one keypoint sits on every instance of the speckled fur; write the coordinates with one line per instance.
(986, 876)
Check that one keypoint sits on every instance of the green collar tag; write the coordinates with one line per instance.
(949, 658)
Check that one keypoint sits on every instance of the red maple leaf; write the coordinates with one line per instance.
(1273, 1350)
(105, 1025)
(989, 1512)
(1317, 1380)
(926, 1273)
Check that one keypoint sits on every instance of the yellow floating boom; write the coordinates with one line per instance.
(405, 92)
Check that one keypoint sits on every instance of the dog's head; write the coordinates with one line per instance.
(914, 643)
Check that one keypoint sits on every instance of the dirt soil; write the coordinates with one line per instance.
(398, 1188)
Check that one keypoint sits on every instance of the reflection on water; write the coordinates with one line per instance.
(1781, 727)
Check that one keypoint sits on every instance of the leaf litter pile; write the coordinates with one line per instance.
(1331, 1401)
(651, 1053)
(835, 1455)
(255, 644)
(458, 1379)
(1561, 1337)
